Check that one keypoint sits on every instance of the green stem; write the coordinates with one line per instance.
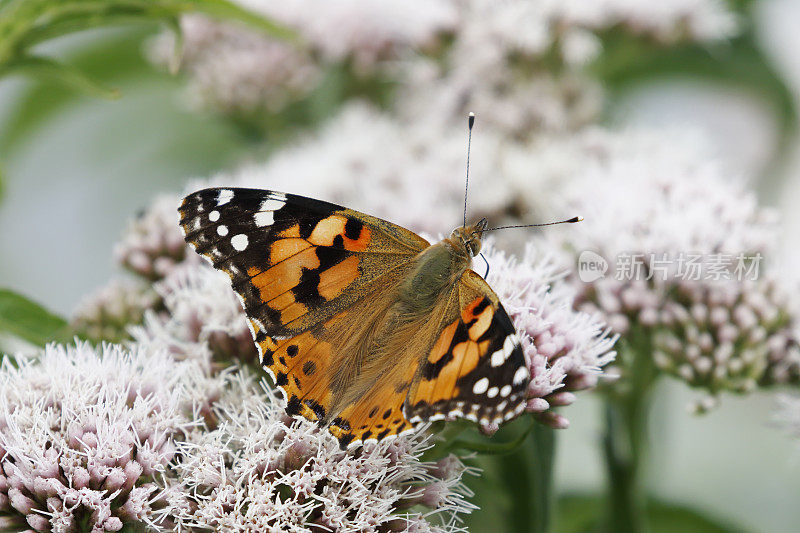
(544, 441)
(625, 443)
(529, 475)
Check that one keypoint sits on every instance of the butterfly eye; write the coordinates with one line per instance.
(474, 245)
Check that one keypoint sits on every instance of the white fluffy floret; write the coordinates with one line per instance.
(565, 349)
(86, 435)
(260, 470)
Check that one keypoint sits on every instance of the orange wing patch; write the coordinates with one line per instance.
(283, 276)
(283, 249)
(379, 413)
(457, 352)
(335, 280)
(300, 366)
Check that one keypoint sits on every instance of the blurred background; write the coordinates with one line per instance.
(76, 168)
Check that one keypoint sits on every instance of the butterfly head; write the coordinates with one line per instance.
(470, 236)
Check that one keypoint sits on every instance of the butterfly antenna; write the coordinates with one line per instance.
(487, 265)
(470, 122)
(569, 221)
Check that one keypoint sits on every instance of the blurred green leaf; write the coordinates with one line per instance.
(582, 513)
(486, 446)
(514, 490)
(26, 23)
(113, 58)
(29, 321)
(69, 17)
(65, 74)
(228, 10)
(134, 527)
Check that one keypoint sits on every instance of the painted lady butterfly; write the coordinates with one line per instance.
(365, 326)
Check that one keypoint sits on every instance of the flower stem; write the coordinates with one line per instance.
(625, 443)
(529, 471)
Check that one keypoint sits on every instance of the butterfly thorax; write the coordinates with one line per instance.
(439, 266)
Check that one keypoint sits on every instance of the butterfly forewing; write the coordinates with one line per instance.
(294, 261)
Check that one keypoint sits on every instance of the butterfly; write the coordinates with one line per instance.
(366, 327)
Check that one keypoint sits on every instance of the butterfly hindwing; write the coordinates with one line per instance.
(476, 368)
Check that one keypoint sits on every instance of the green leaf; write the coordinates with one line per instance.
(491, 446)
(515, 490)
(228, 10)
(26, 23)
(68, 75)
(29, 321)
(583, 513)
(114, 57)
(174, 24)
(70, 17)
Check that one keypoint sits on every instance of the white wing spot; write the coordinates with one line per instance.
(239, 242)
(213, 216)
(520, 375)
(492, 392)
(271, 204)
(505, 391)
(497, 358)
(480, 386)
(264, 218)
(509, 344)
(225, 196)
(222, 230)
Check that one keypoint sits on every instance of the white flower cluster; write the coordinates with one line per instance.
(735, 336)
(364, 33)
(565, 349)
(153, 244)
(488, 48)
(234, 68)
(655, 197)
(519, 63)
(203, 320)
(409, 173)
(86, 436)
(106, 314)
(115, 438)
(260, 470)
